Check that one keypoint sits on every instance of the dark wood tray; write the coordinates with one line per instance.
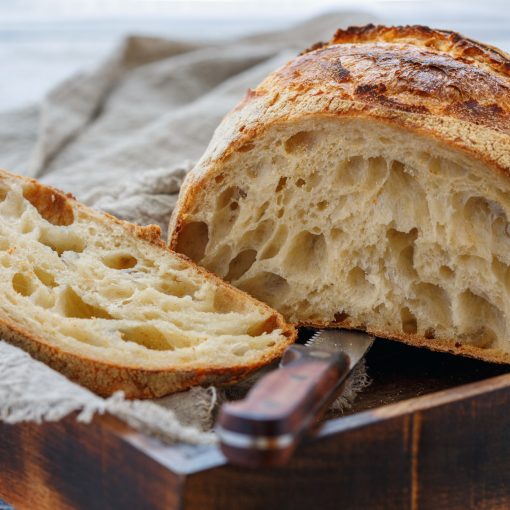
(432, 431)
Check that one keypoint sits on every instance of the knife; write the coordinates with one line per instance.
(266, 426)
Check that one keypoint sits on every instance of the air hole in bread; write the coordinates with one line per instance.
(400, 240)
(177, 287)
(430, 333)
(221, 259)
(377, 171)
(4, 244)
(193, 239)
(499, 269)
(45, 277)
(306, 251)
(54, 207)
(409, 322)
(225, 219)
(402, 245)
(478, 319)
(117, 291)
(267, 285)
(435, 166)
(148, 336)
(337, 234)
(281, 184)
(322, 205)
(484, 216)
(504, 274)
(232, 194)
(341, 316)
(446, 272)
(72, 305)
(226, 197)
(27, 224)
(240, 264)
(483, 337)
(228, 210)
(261, 211)
(22, 284)
(275, 244)
(119, 260)
(405, 262)
(473, 263)
(302, 141)
(259, 235)
(267, 326)
(83, 334)
(435, 302)
(500, 226)
(61, 241)
(300, 182)
(357, 281)
(225, 301)
(3, 191)
(313, 181)
(349, 172)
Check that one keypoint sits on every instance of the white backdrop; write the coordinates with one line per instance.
(43, 41)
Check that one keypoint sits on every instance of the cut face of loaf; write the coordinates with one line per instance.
(372, 218)
(107, 304)
(356, 223)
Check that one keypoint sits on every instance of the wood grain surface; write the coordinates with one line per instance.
(447, 449)
(67, 465)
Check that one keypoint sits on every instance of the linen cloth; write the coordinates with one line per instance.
(121, 139)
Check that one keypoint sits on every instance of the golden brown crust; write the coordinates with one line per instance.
(411, 69)
(433, 82)
(444, 41)
(105, 378)
(53, 205)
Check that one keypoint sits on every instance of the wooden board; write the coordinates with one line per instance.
(432, 431)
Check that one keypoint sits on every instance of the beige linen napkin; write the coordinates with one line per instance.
(121, 139)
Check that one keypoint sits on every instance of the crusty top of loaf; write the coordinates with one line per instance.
(431, 81)
(411, 69)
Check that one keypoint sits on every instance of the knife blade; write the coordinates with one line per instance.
(266, 426)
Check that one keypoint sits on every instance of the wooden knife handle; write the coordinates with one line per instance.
(265, 428)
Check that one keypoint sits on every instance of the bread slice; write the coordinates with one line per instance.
(107, 304)
(365, 184)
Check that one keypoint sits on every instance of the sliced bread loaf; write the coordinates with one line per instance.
(365, 184)
(108, 305)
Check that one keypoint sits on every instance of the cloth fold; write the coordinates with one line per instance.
(121, 139)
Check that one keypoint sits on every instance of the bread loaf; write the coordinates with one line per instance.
(366, 184)
(107, 304)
